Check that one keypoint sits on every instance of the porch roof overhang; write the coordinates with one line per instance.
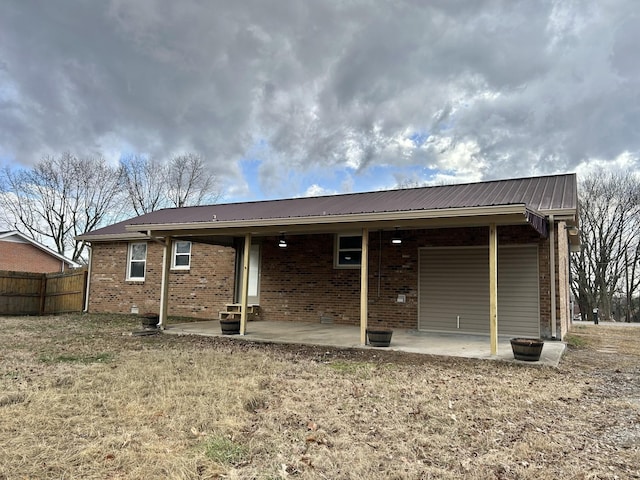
(512, 214)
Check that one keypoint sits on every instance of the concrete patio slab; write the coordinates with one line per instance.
(346, 336)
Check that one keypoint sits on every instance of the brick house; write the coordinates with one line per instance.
(486, 258)
(19, 253)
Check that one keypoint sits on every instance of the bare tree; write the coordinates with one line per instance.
(408, 183)
(632, 302)
(182, 181)
(59, 198)
(189, 181)
(609, 221)
(144, 180)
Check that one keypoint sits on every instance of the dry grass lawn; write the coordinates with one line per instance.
(80, 398)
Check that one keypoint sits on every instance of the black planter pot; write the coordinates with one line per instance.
(150, 320)
(379, 337)
(230, 327)
(527, 349)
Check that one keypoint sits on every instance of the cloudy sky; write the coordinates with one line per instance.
(289, 98)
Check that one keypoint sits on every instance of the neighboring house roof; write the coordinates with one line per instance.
(16, 236)
(533, 198)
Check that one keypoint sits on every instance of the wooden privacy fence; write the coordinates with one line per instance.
(42, 293)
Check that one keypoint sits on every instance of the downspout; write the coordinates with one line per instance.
(86, 295)
(552, 274)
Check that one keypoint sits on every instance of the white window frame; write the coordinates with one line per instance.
(338, 251)
(175, 254)
(130, 260)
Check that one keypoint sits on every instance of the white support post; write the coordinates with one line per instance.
(164, 285)
(493, 287)
(364, 286)
(245, 284)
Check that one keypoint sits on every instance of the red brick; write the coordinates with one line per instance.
(200, 292)
(300, 283)
(24, 257)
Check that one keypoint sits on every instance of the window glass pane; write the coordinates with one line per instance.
(351, 242)
(137, 270)
(349, 258)
(183, 247)
(138, 251)
(182, 260)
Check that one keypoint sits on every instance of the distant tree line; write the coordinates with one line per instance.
(64, 196)
(606, 271)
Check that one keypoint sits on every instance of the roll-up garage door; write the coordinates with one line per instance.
(454, 290)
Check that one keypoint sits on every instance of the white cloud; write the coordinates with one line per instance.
(626, 161)
(318, 191)
(497, 88)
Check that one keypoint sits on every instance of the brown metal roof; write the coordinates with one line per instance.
(545, 195)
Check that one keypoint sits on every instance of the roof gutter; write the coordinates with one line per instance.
(111, 237)
(514, 209)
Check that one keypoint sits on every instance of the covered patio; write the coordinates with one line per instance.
(347, 336)
(477, 263)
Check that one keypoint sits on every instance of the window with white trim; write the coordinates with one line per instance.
(348, 251)
(181, 255)
(137, 261)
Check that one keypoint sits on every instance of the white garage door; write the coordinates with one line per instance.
(454, 290)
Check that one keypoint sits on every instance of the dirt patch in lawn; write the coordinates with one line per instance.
(82, 398)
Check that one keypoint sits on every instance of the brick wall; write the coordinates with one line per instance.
(544, 262)
(561, 253)
(300, 282)
(24, 257)
(201, 292)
